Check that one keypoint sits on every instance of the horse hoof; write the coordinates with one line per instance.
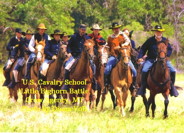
(165, 116)
(147, 115)
(131, 110)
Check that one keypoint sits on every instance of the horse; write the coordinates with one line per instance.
(121, 78)
(159, 80)
(53, 73)
(33, 84)
(83, 72)
(13, 92)
(100, 60)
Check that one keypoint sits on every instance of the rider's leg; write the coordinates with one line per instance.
(146, 66)
(43, 69)
(110, 64)
(134, 72)
(29, 63)
(173, 91)
(7, 72)
(17, 68)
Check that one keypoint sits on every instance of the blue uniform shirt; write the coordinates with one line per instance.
(52, 48)
(150, 46)
(76, 43)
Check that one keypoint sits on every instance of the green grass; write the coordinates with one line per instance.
(17, 118)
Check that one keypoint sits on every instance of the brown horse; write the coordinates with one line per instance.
(83, 72)
(13, 92)
(53, 73)
(100, 60)
(121, 78)
(159, 79)
(33, 85)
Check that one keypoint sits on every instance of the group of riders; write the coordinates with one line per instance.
(18, 46)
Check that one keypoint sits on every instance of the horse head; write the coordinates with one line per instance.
(102, 53)
(39, 50)
(162, 51)
(125, 56)
(89, 49)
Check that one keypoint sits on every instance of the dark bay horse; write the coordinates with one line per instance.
(83, 71)
(53, 73)
(121, 78)
(159, 79)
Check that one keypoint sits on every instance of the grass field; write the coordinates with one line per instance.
(17, 118)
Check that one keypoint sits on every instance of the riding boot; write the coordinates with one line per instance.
(7, 77)
(41, 76)
(173, 91)
(28, 71)
(12, 83)
(66, 77)
(106, 83)
(142, 90)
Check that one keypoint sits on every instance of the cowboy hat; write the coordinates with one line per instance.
(28, 32)
(158, 28)
(19, 30)
(56, 32)
(96, 27)
(115, 25)
(65, 34)
(82, 26)
(41, 26)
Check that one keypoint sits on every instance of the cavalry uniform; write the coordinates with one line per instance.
(51, 49)
(32, 58)
(114, 44)
(150, 46)
(13, 46)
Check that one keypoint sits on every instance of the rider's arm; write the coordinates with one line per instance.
(9, 47)
(169, 50)
(143, 49)
(127, 40)
(32, 44)
(47, 49)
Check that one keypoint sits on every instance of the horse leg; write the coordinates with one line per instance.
(92, 98)
(119, 100)
(166, 103)
(145, 101)
(153, 106)
(51, 100)
(103, 100)
(113, 98)
(58, 97)
(98, 97)
(133, 97)
(15, 94)
(24, 96)
(124, 98)
(11, 94)
(87, 96)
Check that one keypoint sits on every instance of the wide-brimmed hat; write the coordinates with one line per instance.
(115, 25)
(41, 26)
(65, 34)
(82, 26)
(19, 30)
(56, 32)
(28, 32)
(96, 27)
(158, 28)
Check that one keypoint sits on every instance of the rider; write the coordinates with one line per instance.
(14, 42)
(40, 36)
(75, 47)
(114, 44)
(150, 46)
(129, 34)
(21, 60)
(51, 50)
